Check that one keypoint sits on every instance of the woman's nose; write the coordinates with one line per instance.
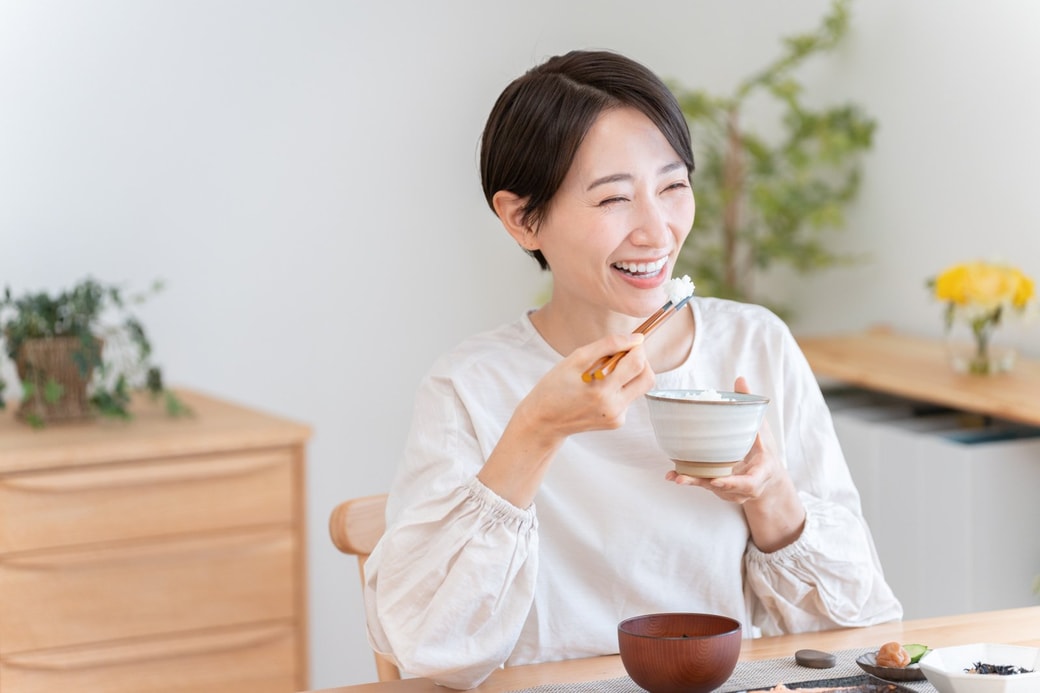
(651, 224)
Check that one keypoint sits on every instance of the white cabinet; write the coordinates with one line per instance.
(951, 499)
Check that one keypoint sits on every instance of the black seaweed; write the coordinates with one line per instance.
(999, 669)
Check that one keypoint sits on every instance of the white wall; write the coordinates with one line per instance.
(303, 175)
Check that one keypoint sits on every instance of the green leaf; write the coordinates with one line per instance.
(791, 186)
(154, 380)
(109, 403)
(135, 331)
(174, 406)
(53, 391)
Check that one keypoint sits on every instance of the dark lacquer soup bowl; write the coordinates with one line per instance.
(679, 652)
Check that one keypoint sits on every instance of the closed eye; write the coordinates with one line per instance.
(612, 200)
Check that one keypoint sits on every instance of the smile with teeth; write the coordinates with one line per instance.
(642, 269)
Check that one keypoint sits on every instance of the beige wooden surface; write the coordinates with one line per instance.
(154, 555)
(1014, 626)
(356, 525)
(58, 507)
(220, 427)
(917, 368)
(251, 659)
(145, 589)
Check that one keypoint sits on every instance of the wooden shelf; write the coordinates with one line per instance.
(218, 426)
(918, 369)
(137, 553)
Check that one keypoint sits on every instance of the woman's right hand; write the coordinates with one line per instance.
(560, 405)
(564, 404)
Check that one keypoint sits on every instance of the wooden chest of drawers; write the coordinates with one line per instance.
(156, 555)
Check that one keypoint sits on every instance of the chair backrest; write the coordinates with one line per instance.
(356, 525)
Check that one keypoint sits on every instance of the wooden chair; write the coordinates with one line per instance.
(355, 526)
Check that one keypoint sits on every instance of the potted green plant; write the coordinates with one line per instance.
(764, 201)
(79, 353)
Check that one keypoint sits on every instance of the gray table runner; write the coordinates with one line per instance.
(747, 675)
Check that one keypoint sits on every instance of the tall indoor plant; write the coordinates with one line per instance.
(79, 352)
(766, 201)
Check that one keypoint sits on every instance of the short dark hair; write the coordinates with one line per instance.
(538, 122)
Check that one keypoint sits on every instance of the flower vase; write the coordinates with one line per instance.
(977, 349)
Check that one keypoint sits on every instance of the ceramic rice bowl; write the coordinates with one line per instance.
(705, 432)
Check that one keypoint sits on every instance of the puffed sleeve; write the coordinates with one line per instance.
(830, 576)
(450, 584)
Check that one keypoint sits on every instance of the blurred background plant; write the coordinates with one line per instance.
(763, 203)
(85, 335)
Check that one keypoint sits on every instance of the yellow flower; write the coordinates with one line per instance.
(980, 290)
(981, 294)
(1024, 292)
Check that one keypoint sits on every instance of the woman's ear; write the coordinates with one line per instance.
(510, 210)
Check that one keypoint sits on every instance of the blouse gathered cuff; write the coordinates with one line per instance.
(829, 577)
(804, 545)
(449, 586)
(498, 508)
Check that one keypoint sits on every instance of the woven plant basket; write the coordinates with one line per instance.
(42, 360)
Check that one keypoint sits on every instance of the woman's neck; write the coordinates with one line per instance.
(667, 348)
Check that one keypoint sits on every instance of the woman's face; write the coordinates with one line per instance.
(615, 226)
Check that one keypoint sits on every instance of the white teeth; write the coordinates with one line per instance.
(642, 267)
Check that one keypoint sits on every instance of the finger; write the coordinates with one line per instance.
(757, 448)
(633, 366)
(684, 480)
(740, 385)
(600, 358)
(614, 343)
(629, 372)
(756, 459)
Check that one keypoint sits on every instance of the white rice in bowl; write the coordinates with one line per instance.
(708, 395)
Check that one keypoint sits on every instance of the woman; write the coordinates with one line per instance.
(533, 510)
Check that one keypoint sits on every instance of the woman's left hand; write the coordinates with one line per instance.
(751, 476)
(762, 485)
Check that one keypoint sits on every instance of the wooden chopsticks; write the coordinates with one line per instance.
(606, 364)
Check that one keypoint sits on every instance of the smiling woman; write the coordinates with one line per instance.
(630, 194)
(544, 106)
(534, 510)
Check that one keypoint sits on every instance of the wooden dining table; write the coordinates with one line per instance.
(1012, 626)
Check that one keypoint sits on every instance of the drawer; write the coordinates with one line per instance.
(61, 598)
(259, 659)
(145, 499)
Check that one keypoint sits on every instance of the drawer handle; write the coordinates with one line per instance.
(142, 475)
(148, 650)
(177, 550)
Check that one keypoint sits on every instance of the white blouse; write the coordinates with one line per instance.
(464, 582)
